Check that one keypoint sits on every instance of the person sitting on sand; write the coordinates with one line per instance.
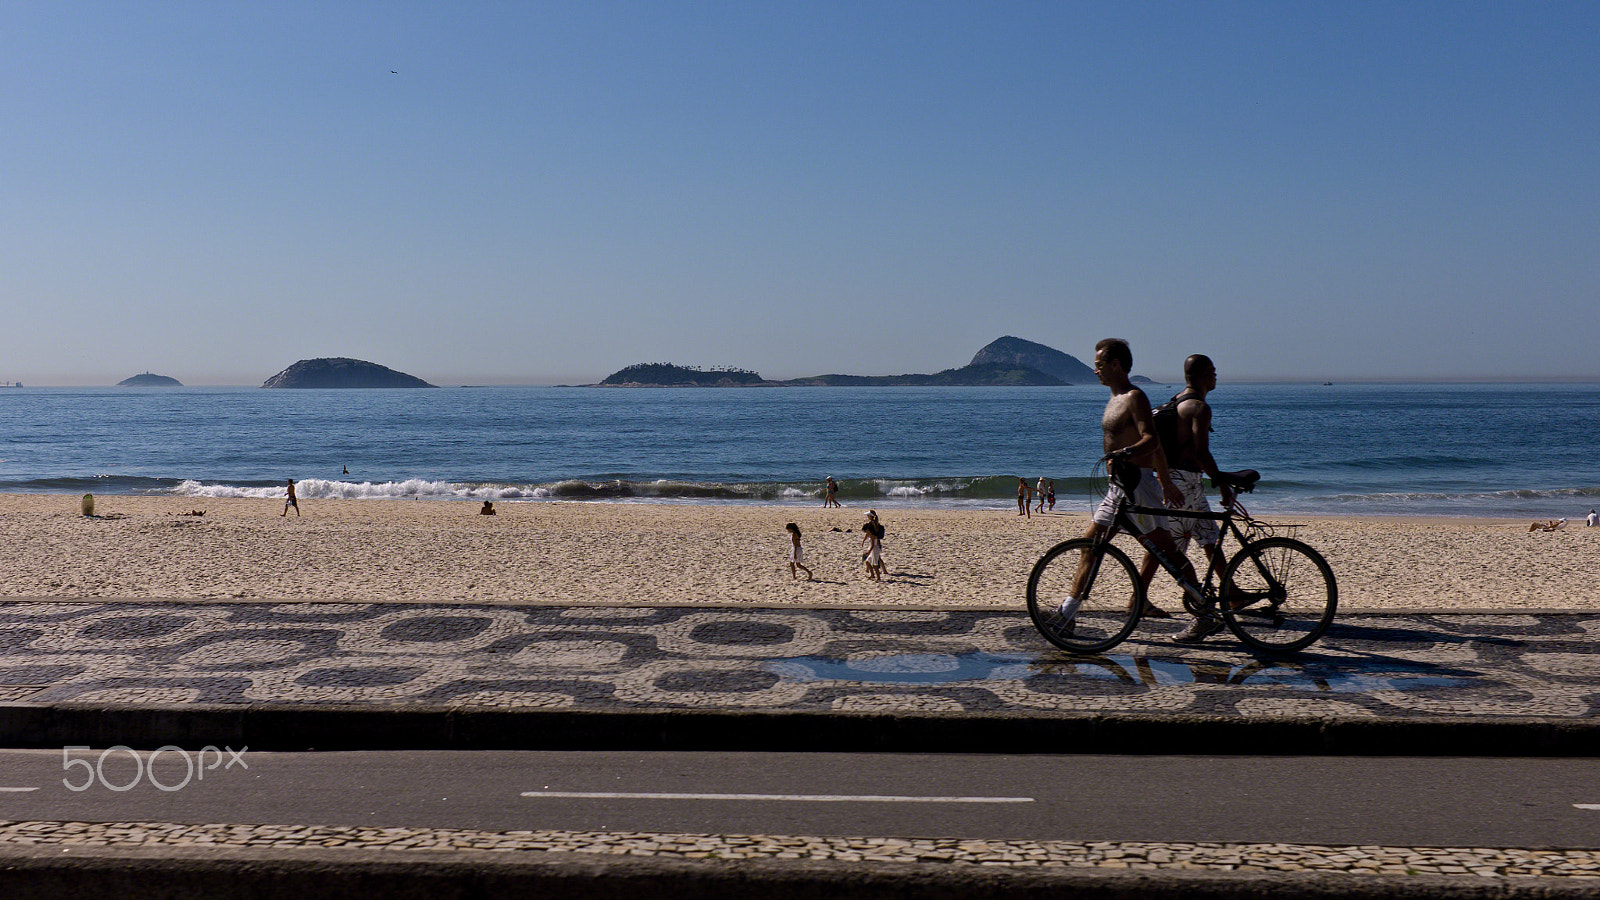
(797, 554)
(1593, 518)
(487, 510)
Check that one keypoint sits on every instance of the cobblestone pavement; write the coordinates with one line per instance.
(635, 658)
(1370, 665)
(1301, 858)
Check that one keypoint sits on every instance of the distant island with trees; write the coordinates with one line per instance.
(1005, 362)
(146, 379)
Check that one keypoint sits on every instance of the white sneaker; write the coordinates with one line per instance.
(1069, 608)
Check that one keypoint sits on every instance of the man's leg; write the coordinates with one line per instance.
(1207, 622)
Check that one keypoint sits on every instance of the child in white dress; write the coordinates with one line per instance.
(797, 554)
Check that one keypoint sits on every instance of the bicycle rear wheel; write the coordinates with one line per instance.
(1289, 590)
(1112, 598)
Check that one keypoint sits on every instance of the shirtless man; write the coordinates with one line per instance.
(289, 500)
(1130, 439)
(1189, 460)
(1024, 497)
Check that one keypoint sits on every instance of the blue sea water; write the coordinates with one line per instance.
(1525, 450)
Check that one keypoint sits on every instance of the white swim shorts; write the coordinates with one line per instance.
(1146, 493)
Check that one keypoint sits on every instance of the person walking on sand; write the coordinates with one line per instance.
(872, 540)
(1050, 487)
(289, 500)
(1024, 498)
(797, 553)
(830, 491)
(1039, 489)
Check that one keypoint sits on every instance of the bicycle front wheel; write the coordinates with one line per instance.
(1278, 595)
(1112, 596)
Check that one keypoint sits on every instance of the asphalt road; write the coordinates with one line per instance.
(1417, 802)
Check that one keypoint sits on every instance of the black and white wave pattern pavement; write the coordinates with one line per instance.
(638, 658)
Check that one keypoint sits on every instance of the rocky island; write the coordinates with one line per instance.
(1016, 352)
(148, 380)
(340, 372)
(971, 375)
(1007, 361)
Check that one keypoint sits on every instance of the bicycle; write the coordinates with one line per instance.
(1276, 594)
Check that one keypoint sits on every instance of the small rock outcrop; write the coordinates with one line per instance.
(340, 372)
(1014, 351)
(149, 380)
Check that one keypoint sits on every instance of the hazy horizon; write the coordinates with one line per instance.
(543, 193)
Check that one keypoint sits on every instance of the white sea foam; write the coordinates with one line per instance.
(323, 489)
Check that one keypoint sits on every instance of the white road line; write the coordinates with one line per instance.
(1587, 805)
(803, 798)
(6, 790)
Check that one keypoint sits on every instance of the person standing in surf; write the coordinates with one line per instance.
(1024, 497)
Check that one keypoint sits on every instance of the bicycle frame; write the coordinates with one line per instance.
(1196, 596)
(1293, 585)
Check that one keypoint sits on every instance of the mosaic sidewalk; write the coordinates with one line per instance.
(651, 659)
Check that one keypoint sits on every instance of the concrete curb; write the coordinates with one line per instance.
(208, 874)
(297, 728)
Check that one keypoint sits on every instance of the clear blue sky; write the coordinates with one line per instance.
(541, 193)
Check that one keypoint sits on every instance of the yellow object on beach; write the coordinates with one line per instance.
(86, 505)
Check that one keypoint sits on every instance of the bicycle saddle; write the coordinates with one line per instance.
(1242, 481)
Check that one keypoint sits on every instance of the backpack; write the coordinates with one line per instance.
(1166, 421)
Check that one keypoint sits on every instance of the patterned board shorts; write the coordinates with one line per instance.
(1193, 485)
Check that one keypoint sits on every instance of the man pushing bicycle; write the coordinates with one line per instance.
(1130, 441)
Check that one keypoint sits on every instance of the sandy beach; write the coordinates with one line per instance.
(445, 552)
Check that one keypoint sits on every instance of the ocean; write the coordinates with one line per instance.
(1483, 450)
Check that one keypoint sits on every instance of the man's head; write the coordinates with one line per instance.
(1112, 355)
(1200, 373)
